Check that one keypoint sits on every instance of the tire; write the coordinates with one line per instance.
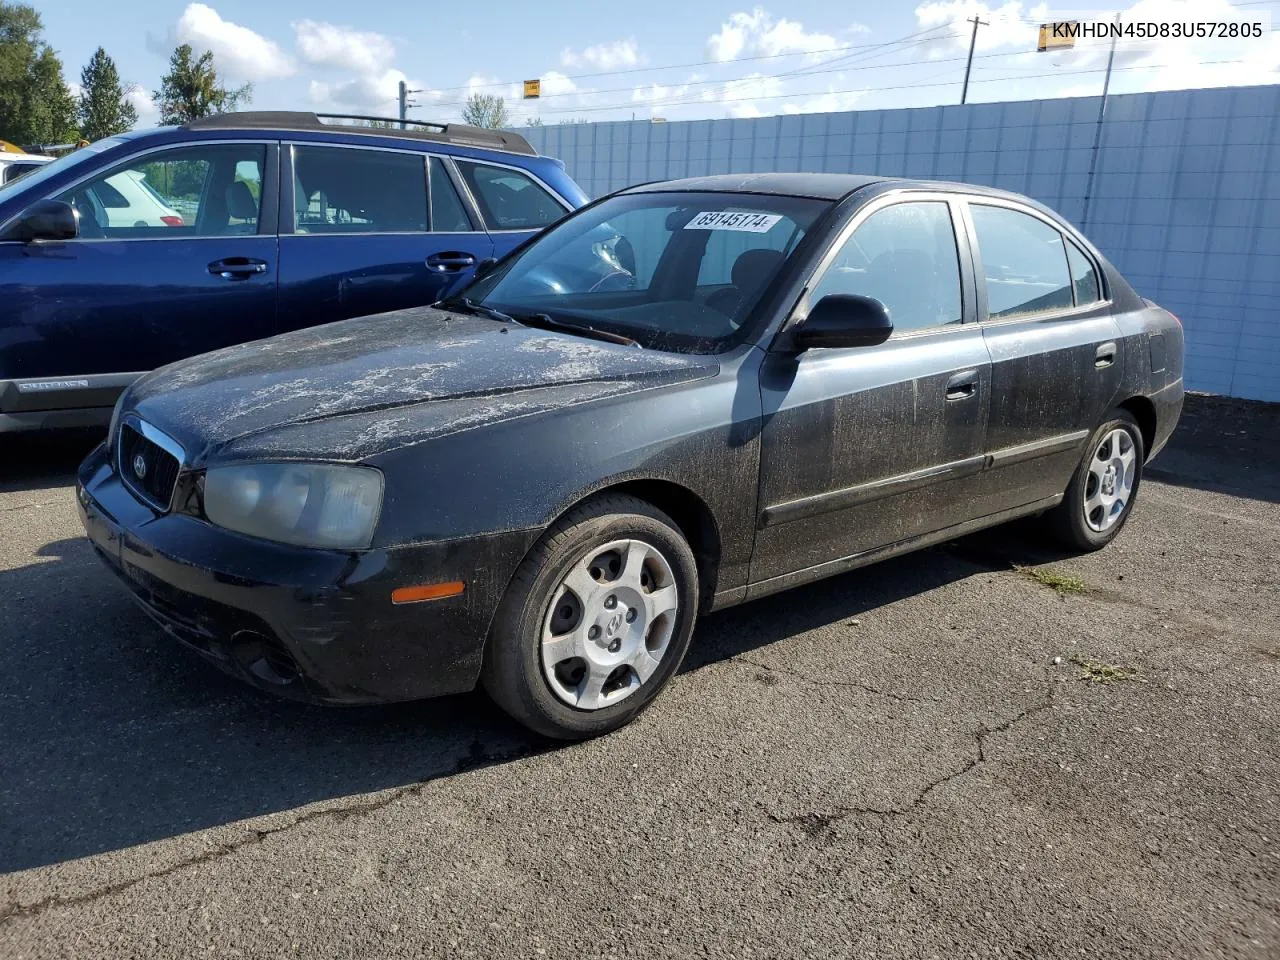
(1096, 507)
(586, 635)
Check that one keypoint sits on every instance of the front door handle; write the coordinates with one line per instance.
(962, 386)
(237, 268)
(1105, 355)
(450, 262)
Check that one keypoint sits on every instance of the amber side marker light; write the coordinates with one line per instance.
(427, 591)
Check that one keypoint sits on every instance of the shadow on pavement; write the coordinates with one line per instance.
(115, 736)
(37, 461)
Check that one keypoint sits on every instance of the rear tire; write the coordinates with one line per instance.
(595, 621)
(1102, 491)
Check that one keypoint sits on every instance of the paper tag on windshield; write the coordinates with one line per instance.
(729, 220)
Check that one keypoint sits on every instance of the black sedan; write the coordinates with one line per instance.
(681, 397)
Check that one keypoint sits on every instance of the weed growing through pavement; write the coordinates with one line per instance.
(1063, 583)
(1096, 672)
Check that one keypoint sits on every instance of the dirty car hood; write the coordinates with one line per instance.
(350, 389)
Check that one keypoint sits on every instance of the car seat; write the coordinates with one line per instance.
(751, 271)
(241, 206)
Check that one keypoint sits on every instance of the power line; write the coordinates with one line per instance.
(706, 63)
(906, 86)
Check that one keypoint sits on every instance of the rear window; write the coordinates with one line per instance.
(1024, 262)
(509, 199)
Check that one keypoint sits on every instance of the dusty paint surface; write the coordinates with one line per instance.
(392, 378)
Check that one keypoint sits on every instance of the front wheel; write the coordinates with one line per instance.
(596, 620)
(1102, 491)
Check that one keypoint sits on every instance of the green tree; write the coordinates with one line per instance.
(485, 110)
(191, 89)
(104, 109)
(35, 104)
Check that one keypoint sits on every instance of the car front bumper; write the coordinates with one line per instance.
(313, 625)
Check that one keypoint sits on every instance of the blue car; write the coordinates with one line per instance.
(162, 244)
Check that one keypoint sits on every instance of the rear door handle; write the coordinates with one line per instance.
(450, 262)
(237, 268)
(962, 386)
(1105, 355)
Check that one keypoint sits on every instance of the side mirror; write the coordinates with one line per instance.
(484, 266)
(45, 220)
(844, 320)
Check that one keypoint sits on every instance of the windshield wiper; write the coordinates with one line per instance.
(546, 320)
(480, 308)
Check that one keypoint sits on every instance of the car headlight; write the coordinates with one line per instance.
(307, 504)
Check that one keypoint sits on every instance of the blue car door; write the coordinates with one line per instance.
(369, 230)
(176, 255)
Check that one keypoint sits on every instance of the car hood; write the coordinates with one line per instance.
(348, 390)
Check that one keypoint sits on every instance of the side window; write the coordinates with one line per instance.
(1024, 261)
(213, 190)
(342, 190)
(1084, 279)
(448, 215)
(508, 199)
(904, 256)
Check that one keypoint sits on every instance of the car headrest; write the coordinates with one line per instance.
(754, 268)
(240, 202)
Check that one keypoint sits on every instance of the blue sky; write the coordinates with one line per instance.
(668, 58)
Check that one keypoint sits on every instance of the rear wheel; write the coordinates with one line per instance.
(1102, 491)
(596, 620)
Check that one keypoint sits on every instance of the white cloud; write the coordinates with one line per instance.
(555, 83)
(1141, 65)
(605, 56)
(239, 53)
(758, 34)
(326, 45)
(832, 101)
(148, 112)
(739, 95)
(373, 93)
(1011, 24)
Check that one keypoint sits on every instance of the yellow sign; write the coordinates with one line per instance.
(1057, 36)
(7, 147)
(532, 89)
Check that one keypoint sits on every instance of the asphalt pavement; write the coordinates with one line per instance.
(988, 749)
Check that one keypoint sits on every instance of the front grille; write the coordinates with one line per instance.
(148, 469)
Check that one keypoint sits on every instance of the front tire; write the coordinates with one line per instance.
(1103, 489)
(595, 621)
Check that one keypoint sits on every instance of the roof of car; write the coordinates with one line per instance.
(454, 133)
(822, 186)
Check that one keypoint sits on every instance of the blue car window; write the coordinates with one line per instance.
(508, 199)
(448, 215)
(209, 190)
(343, 190)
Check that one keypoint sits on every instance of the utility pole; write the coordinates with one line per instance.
(1097, 130)
(973, 41)
(404, 101)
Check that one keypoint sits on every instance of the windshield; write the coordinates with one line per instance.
(67, 161)
(673, 271)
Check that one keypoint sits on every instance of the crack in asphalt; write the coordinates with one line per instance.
(32, 504)
(828, 682)
(819, 824)
(475, 759)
